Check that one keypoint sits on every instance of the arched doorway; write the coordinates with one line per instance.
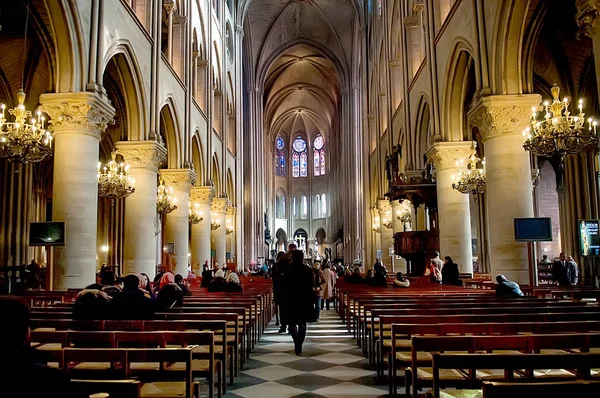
(301, 239)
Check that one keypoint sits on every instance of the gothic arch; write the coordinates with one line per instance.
(170, 133)
(230, 185)
(422, 131)
(216, 174)
(125, 73)
(197, 158)
(457, 78)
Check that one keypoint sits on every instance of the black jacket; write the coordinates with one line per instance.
(298, 283)
(169, 296)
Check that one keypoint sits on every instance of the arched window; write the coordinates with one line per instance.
(304, 213)
(294, 207)
(323, 205)
(316, 206)
(299, 158)
(319, 155)
(280, 206)
(280, 157)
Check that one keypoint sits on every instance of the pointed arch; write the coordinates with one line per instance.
(198, 158)
(216, 174)
(422, 133)
(230, 185)
(170, 133)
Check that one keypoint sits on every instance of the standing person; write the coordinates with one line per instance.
(281, 267)
(572, 271)
(450, 274)
(437, 261)
(207, 275)
(560, 272)
(379, 275)
(330, 277)
(277, 290)
(319, 286)
(299, 285)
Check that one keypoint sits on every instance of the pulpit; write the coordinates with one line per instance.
(417, 248)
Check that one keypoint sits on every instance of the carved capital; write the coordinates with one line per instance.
(588, 13)
(180, 179)
(502, 114)
(231, 211)
(395, 63)
(412, 21)
(419, 8)
(384, 206)
(220, 205)
(77, 113)
(202, 63)
(142, 154)
(170, 6)
(202, 195)
(445, 154)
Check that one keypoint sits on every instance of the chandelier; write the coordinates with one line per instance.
(24, 140)
(195, 213)
(113, 180)
(376, 225)
(404, 214)
(558, 132)
(229, 228)
(165, 202)
(387, 220)
(214, 222)
(470, 179)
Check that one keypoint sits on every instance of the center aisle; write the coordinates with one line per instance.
(331, 366)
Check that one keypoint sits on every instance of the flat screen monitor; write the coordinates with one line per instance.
(533, 229)
(589, 237)
(47, 234)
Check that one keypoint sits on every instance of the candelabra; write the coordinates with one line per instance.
(215, 223)
(195, 213)
(470, 179)
(387, 220)
(404, 214)
(376, 225)
(114, 181)
(558, 132)
(24, 140)
(229, 228)
(165, 202)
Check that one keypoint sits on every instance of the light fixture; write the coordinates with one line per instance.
(376, 225)
(214, 222)
(24, 140)
(195, 213)
(387, 219)
(229, 228)
(404, 213)
(470, 179)
(165, 201)
(114, 181)
(558, 132)
(104, 249)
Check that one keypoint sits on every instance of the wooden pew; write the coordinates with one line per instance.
(578, 388)
(114, 388)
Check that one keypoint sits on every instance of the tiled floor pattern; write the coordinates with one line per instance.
(331, 366)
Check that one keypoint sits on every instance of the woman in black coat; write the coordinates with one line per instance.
(450, 274)
(298, 283)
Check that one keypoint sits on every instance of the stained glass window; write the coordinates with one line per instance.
(296, 165)
(303, 164)
(319, 155)
(299, 145)
(280, 157)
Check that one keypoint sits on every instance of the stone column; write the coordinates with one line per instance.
(144, 159)
(170, 8)
(77, 121)
(201, 231)
(387, 235)
(453, 206)
(177, 225)
(501, 119)
(231, 242)
(219, 209)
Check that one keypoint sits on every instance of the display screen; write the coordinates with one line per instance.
(47, 234)
(589, 238)
(533, 229)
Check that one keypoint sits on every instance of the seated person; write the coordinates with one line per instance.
(355, 277)
(380, 275)
(92, 304)
(450, 274)
(20, 374)
(132, 303)
(233, 283)
(169, 294)
(369, 276)
(507, 288)
(182, 285)
(218, 284)
(401, 281)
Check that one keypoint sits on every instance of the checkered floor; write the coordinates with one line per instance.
(331, 366)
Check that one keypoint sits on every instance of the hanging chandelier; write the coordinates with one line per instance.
(165, 201)
(215, 223)
(114, 181)
(558, 132)
(195, 213)
(24, 140)
(470, 179)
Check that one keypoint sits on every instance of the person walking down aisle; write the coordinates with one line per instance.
(318, 288)
(298, 283)
(330, 278)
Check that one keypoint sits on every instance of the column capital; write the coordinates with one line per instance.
(383, 205)
(231, 210)
(82, 113)
(178, 178)
(169, 6)
(142, 154)
(588, 13)
(202, 63)
(498, 115)
(203, 195)
(444, 154)
(395, 63)
(220, 205)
